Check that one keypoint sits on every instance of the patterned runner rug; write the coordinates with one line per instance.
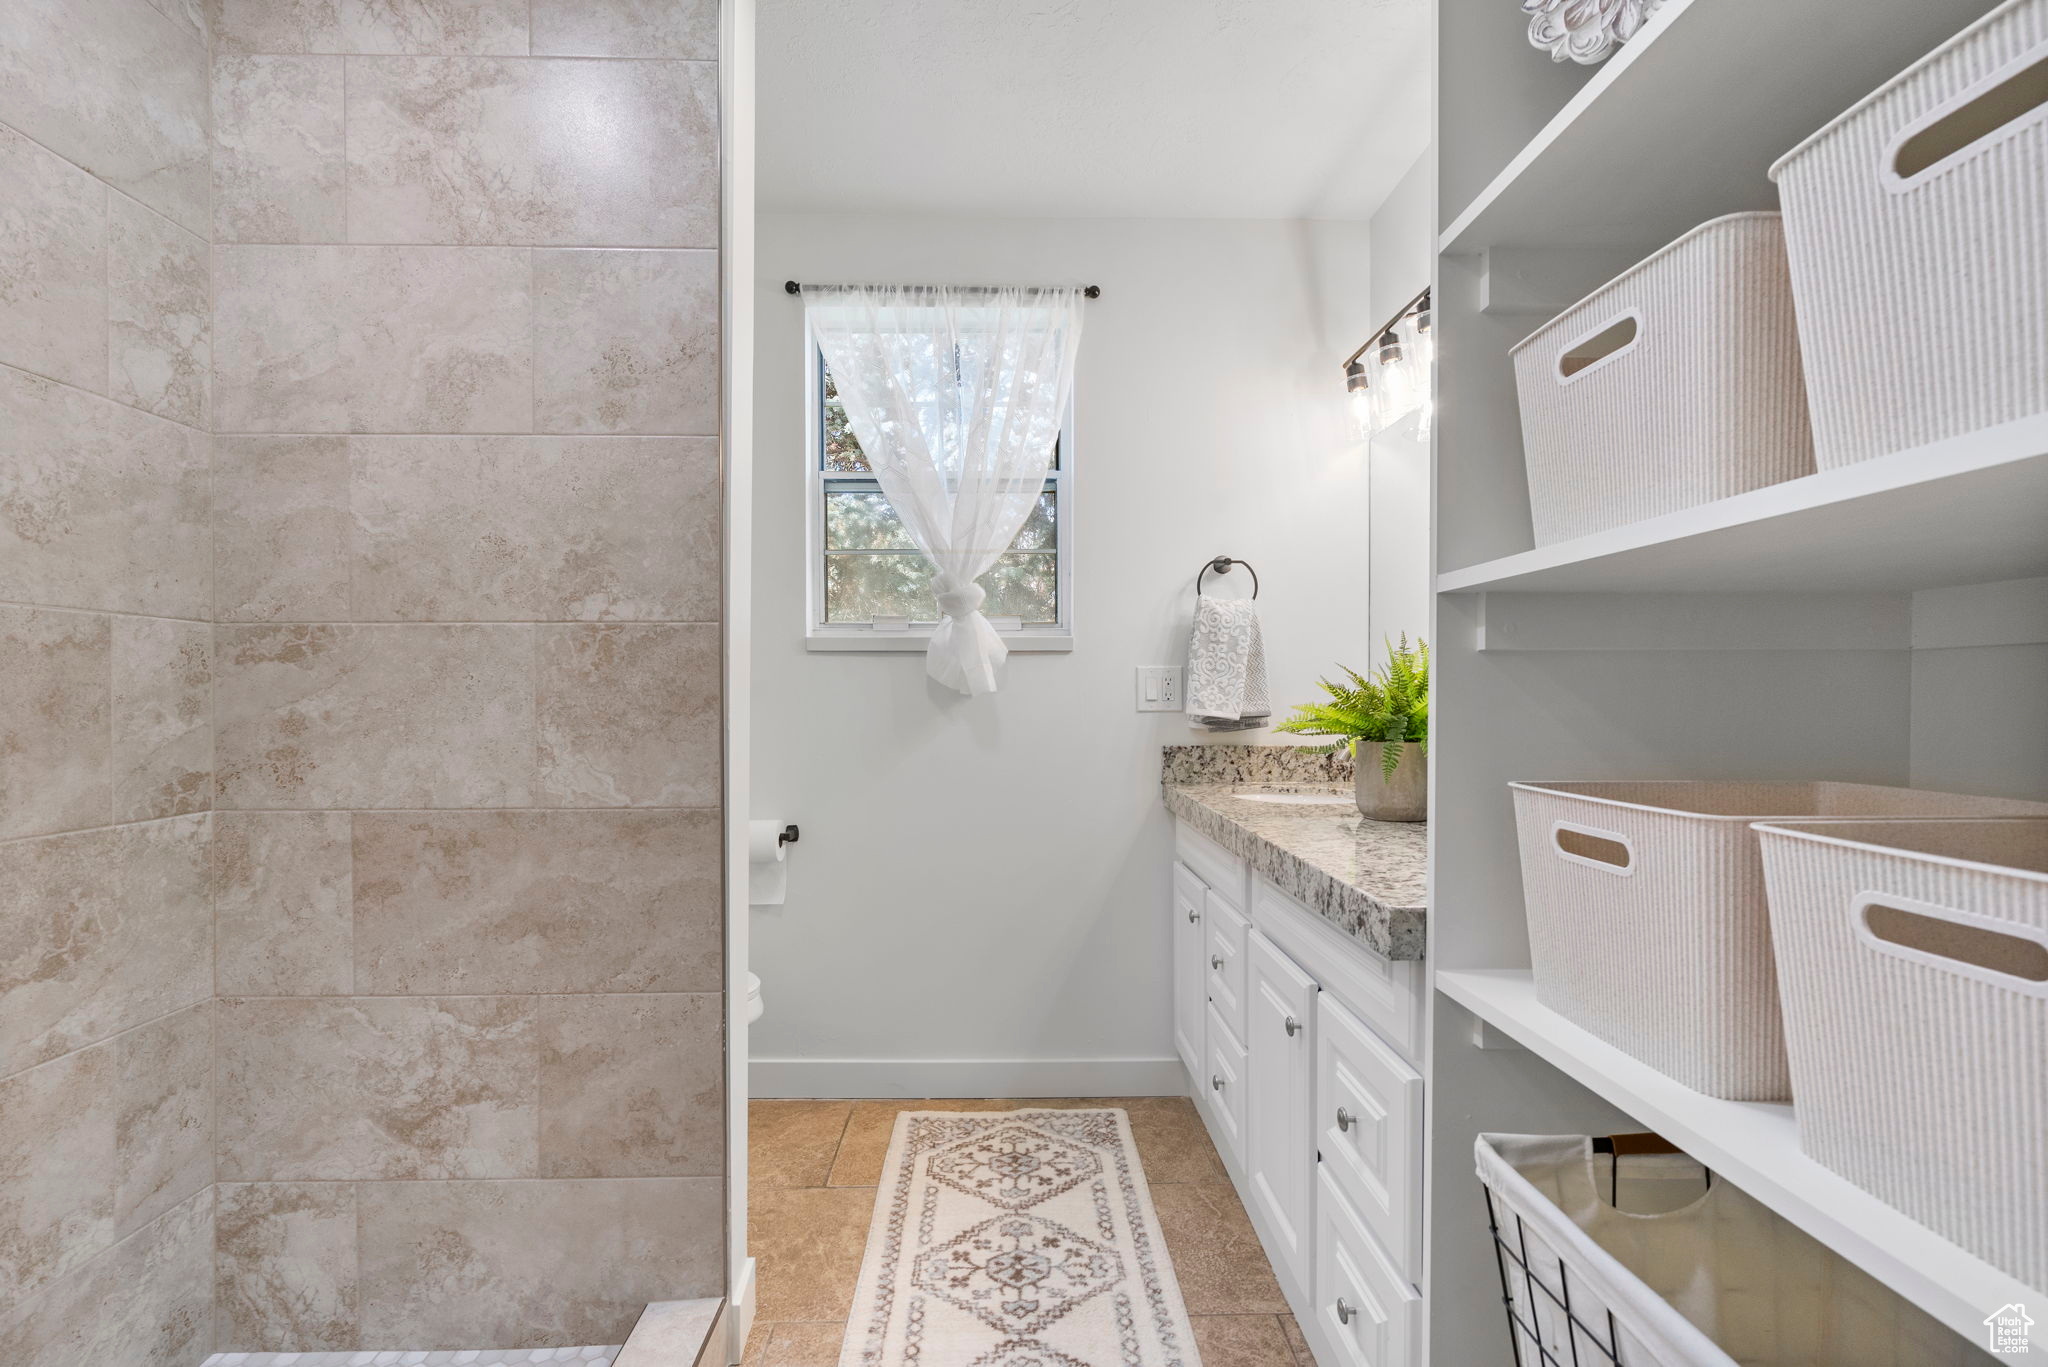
(1016, 1239)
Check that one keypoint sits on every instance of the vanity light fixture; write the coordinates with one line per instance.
(1397, 384)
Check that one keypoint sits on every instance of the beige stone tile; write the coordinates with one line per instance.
(628, 715)
(1216, 1254)
(100, 931)
(372, 339)
(281, 528)
(626, 28)
(101, 506)
(353, 716)
(282, 904)
(1241, 1341)
(1297, 1342)
(756, 1350)
(159, 314)
(117, 88)
(1173, 1144)
(481, 902)
(632, 1085)
(808, 1243)
(53, 265)
(98, 1143)
(334, 1088)
(54, 728)
(549, 1262)
(285, 1270)
(189, 15)
(865, 1145)
(420, 26)
(535, 528)
(163, 717)
(792, 1143)
(146, 1302)
(626, 341)
(279, 166)
(805, 1345)
(482, 150)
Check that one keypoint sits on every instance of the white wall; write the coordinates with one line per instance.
(1403, 235)
(983, 881)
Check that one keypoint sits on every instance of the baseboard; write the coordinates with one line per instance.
(964, 1077)
(739, 1315)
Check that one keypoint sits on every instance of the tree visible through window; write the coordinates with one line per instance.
(872, 569)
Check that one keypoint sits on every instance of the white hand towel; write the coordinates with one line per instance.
(1227, 667)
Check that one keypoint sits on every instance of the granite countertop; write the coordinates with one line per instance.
(1367, 878)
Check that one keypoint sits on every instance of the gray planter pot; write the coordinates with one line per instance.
(1404, 797)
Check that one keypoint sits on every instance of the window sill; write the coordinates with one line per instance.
(896, 642)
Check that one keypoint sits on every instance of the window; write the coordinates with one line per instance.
(871, 586)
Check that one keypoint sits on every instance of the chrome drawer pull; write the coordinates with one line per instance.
(1293, 1027)
(1216, 1083)
(1216, 962)
(1344, 1311)
(1345, 1120)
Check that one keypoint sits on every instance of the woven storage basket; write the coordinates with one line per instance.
(1647, 1266)
(1922, 296)
(1706, 401)
(1916, 1014)
(1648, 923)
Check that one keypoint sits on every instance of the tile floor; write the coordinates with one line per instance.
(464, 1357)
(812, 1171)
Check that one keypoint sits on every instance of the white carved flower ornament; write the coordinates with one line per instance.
(1587, 31)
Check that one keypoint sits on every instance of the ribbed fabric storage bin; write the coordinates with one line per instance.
(1704, 403)
(1647, 1265)
(1666, 954)
(1922, 1067)
(1923, 298)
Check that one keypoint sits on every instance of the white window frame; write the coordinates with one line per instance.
(820, 635)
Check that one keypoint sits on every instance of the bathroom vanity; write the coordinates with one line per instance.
(1298, 994)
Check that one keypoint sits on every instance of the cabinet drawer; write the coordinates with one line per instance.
(1224, 1079)
(1213, 864)
(1223, 959)
(1369, 1131)
(1366, 1314)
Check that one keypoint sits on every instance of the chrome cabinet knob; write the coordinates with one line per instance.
(1345, 1120)
(1215, 1083)
(1193, 916)
(1344, 1311)
(1216, 962)
(1293, 1027)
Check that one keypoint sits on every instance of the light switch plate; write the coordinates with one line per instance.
(1159, 688)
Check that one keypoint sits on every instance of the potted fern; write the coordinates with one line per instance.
(1389, 710)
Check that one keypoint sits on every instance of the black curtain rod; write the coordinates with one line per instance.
(1092, 291)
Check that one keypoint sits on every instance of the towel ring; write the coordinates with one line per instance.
(1222, 565)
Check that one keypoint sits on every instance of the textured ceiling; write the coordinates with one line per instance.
(1086, 108)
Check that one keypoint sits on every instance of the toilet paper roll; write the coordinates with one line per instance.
(764, 841)
(767, 873)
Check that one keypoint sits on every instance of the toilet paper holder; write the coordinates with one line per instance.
(788, 835)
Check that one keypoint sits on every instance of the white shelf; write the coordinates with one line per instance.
(1755, 1146)
(1971, 510)
(1683, 122)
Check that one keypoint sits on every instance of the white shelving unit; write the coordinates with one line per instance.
(1828, 627)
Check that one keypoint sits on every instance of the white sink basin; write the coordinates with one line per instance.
(1299, 799)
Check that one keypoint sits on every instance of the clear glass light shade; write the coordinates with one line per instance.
(1401, 381)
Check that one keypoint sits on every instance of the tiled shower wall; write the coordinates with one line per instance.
(433, 991)
(106, 594)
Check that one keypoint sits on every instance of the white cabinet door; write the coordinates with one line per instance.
(1365, 1313)
(1190, 970)
(1369, 1130)
(1280, 1011)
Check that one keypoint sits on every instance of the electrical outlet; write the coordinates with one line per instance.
(1159, 688)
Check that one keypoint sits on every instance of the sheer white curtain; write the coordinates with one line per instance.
(956, 397)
